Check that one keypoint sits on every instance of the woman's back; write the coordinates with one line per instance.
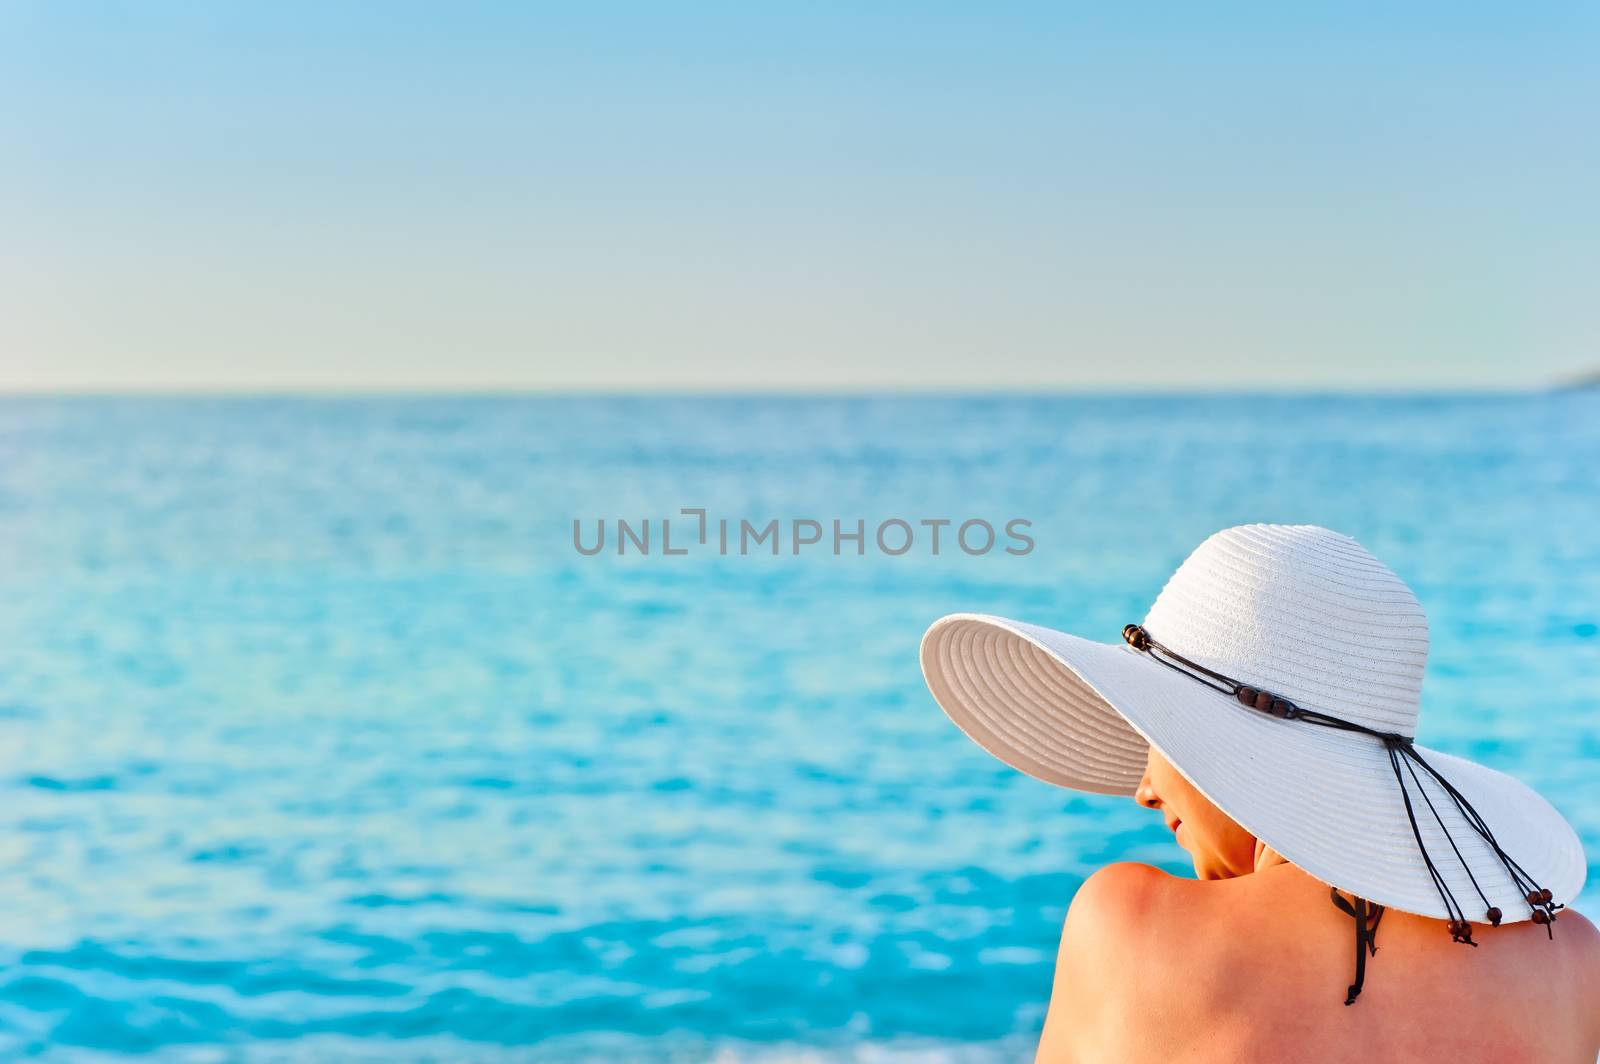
(1255, 968)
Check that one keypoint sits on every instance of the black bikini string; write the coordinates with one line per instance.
(1366, 915)
(1403, 760)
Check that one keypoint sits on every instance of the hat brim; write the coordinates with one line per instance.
(1080, 714)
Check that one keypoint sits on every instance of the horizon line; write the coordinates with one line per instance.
(1023, 391)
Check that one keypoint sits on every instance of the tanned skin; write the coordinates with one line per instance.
(1250, 961)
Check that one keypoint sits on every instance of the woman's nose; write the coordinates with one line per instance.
(1146, 795)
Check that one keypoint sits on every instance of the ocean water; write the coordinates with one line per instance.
(319, 740)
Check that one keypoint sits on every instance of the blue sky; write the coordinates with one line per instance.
(820, 196)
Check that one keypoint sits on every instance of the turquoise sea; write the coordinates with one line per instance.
(320, 741)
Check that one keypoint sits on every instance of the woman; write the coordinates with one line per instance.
(1267, 708)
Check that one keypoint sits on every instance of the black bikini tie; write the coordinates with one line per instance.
(1366, 915)
(1404, 760)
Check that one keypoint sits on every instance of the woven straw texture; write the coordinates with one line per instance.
(1305, 613)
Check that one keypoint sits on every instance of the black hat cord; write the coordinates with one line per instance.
(1404, 760)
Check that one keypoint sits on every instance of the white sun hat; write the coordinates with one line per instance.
(1311, 627)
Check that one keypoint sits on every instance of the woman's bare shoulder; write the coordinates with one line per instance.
(1206, 949)
(1583, 941)
(1122, 889)
(1128, 897)
(1122, 947)
(1127, 905)
(1152, 929)
(1585, 936)
(1099, 955)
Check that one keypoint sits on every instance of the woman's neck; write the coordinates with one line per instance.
(1266, 857)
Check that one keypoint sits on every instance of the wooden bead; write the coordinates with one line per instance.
(1281, 707)
(1494, 915)
(1263, 700)
(1535, 897)
(1246, 696)
(1545, 897)
(1540, 916)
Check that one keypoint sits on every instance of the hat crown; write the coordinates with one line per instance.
(1305, 613)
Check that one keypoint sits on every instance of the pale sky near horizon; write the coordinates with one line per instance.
(823, 196)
